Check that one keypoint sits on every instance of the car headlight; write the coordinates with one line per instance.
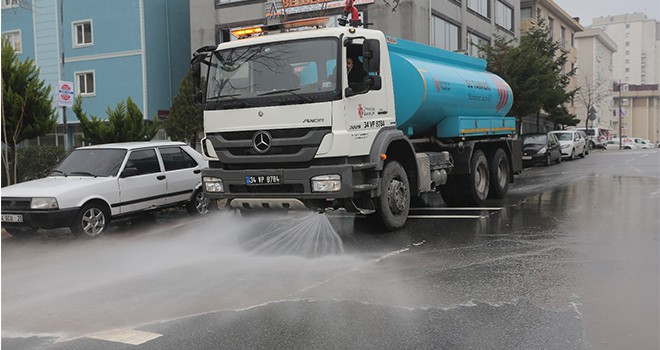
(326, 183)
(543, 150)
(565, 146)
(44, 203)
(213, 184)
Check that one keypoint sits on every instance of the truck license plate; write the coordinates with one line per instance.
(11, 218)
(262, 180)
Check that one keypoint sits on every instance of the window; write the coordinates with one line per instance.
(478, 6)
(627, 25)
(7, 4)
(551, 27)
(14, 38)
(526, 13)
(504, 15)
(82, 34)
(174, 158)
(85, 81)
(474, 41)
(563, 37)
(144, 161)
(445, 34)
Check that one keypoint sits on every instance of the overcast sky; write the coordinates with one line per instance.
(590, 9)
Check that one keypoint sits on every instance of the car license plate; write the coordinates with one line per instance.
(262, 180)
(527, 157)
(11, 218)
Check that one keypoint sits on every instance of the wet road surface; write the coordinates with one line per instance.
(569, 260)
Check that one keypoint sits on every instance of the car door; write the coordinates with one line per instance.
(553, 146)
(182, 171)
(579, 143)
(142, 183)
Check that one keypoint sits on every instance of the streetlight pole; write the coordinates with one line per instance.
(621, 88)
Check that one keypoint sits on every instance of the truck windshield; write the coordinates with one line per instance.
(291, 72)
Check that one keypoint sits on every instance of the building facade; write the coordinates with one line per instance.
(562, 28)
(639, 107)
(594, 78)
(637, 60)
(110, 50)
(455, 25)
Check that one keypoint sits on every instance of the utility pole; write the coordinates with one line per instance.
(622, 87)
(66, 133)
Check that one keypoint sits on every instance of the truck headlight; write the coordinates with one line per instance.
(326, 183)
(44, 203)
(213, 184)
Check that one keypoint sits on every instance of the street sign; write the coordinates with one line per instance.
(65, 93)
(592, 115)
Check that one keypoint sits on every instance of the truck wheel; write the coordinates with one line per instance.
(499, 174)
(449, 192)
(393, 204)
(475, 191)
(91, 220)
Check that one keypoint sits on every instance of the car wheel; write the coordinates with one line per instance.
(200, 204)
(91, 220)
(584, 152)
(499, 174)
(559, 158)
(22, 232)
(548, 159)
(393, 204)
(573, 154)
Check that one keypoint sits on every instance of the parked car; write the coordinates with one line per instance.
(540, 148)
(643, 144)
(626, 143)
(572, 143)
(596, 137)
(96, 184)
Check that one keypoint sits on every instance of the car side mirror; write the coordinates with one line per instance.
(128, 172)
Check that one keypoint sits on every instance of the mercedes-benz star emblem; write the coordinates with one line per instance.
(261, 141)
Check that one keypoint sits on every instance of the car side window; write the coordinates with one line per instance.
(175, 158)
(145, 161)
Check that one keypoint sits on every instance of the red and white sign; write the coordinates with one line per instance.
(65, 93)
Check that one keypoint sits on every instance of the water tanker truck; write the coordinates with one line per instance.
(288, 127)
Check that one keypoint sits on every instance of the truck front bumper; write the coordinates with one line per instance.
(294, 186)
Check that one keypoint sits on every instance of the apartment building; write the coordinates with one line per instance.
(456, 25)
(640, 110)
(111, 50)
(638, 37)
(595, 50)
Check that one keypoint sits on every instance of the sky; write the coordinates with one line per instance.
(590, 9)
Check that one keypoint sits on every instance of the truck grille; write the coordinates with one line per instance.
(285, 146)
(16, 203)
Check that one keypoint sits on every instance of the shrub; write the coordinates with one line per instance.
(35, 162)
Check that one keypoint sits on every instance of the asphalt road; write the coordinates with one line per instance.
(569, 260)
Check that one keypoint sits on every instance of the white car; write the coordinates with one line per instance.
(643, 144)
(626, 143)
(95, 184)
(572, 143)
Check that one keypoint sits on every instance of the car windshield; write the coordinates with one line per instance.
(535, 140)
(91, 162)
(564, 136)
(293, 72)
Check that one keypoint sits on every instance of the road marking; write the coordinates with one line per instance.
(461, 209)
(445, 216)
(125, 336)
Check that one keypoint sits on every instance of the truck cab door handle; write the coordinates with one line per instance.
(197, 171)
(160, 177)
(382, 112)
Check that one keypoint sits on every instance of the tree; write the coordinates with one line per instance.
(27, 108)
(185, 121)
(125, 123)
(534, 69)
(593, 90)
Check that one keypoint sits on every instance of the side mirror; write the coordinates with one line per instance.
(128, 172)
(373, 82)
(371, 55)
